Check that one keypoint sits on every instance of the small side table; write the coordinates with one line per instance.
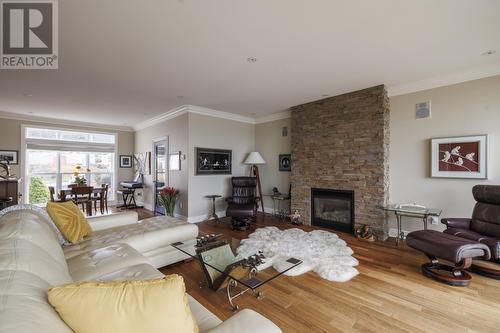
(410, 211)
(280, 209)
(213, 216)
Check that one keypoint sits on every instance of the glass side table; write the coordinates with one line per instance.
(409, 210)
(281, 205)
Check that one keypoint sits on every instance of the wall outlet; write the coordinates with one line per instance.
(434, 220)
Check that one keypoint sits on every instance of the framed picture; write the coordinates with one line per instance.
(143, 163)
(9, 156)
(213, 161)
(285, 161)
(126, 161)
(460, 157)
(174, 161)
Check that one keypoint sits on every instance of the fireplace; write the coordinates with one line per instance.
(332, 209)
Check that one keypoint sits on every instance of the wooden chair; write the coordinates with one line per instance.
(83, 195)
(102, 198)
(52, 192)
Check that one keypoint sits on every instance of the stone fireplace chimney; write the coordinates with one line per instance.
(342, 143)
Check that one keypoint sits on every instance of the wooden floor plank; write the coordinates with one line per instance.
(389, 295)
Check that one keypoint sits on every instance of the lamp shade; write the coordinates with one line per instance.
(254, 158)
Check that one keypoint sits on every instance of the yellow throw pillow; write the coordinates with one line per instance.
(151, 306)
(70, 220)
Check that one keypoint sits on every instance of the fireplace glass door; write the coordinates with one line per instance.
(333, 209)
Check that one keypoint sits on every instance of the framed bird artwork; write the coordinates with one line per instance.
(460, 157)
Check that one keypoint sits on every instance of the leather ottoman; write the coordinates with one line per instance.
(457, 250)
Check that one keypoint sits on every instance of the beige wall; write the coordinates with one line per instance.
(464, 109)
(269, 142)
(210, 132)
(176, 130)
(10, 138)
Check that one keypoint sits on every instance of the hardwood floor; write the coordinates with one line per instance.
(389, 295)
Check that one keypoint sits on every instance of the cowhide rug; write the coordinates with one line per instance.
(321, 251)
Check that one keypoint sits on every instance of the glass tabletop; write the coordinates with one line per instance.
(412, 209)
(219, 258)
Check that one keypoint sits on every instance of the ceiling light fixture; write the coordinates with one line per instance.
(325, 95)
(488, 53)
(180, 96)
(251, 59)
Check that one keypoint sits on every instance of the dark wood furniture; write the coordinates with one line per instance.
(9, 189)
(213, 216)
(101, 197)
(82, 195)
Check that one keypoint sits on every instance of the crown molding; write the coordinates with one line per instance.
(64, 122)
(176, 112)
(179, 111)
(445, 80)
(220, 114)
(273, 117)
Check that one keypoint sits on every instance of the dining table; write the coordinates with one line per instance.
(67, 192)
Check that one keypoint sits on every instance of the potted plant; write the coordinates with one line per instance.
(167, 198)
(79, 180)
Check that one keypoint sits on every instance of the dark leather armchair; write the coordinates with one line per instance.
(483, 227)
(242, 205)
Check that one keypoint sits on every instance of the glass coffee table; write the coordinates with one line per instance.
(223, 269)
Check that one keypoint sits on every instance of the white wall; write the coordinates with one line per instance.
(176, 130)
(211, 132)
(463, 109)
(269, 142)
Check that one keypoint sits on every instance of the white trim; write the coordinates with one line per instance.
(273, 117)
(393, 232)
(220, 114)
(54, 121)
(445, 80)
(204, 217)
(176, 112)
(181, 110)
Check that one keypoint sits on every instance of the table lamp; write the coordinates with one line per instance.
(254, 159)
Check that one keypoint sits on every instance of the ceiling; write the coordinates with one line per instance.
(123, 62)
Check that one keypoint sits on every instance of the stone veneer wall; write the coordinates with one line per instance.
(342, 143)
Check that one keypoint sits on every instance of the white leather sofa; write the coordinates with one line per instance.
(32, 260)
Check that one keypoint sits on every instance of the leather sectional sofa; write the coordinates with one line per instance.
(121, 248)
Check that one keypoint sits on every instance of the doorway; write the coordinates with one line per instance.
(160, 175)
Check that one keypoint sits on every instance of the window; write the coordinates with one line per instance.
(75, 136)
(52, 156)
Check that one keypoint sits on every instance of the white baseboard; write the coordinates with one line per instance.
(393, 232)
(204, 217)
(145, 205)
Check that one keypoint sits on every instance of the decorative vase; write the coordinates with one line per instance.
(168, 198)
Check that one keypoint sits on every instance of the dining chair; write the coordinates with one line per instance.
(52, 192)
(102, 198)
(83, 195)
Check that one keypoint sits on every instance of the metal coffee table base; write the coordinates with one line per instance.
(234, 284)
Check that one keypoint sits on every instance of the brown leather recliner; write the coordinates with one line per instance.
(242, 205)
(483, 227)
